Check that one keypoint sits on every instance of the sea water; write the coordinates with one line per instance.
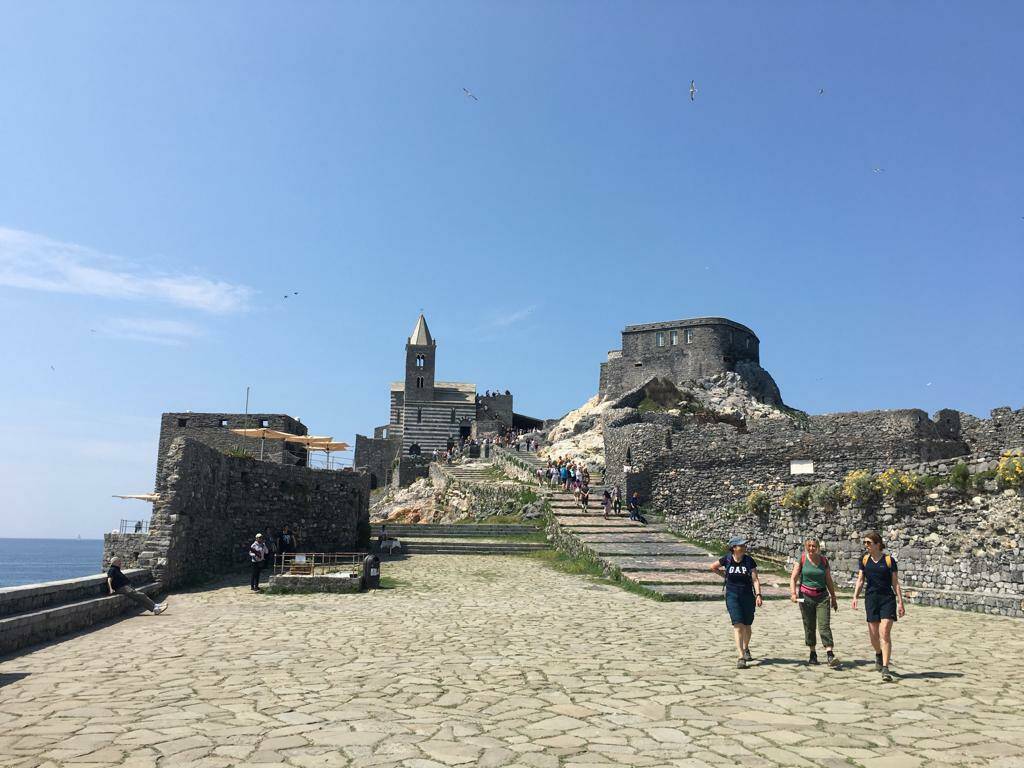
(30, 561)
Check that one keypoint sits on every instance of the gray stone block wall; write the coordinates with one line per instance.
(211, 506)
(214, 430)
(127, 546)
(377, 456)
(1003, 430)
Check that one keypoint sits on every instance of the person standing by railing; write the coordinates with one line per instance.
(257, 555)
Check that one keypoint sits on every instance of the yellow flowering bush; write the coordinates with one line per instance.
(798, 498)
(1010, 472)
(860, 488)
(896, 484)
(758, 503)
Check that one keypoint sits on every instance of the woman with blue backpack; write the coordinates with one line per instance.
(742, 593)
(883, 599)
(811, 586)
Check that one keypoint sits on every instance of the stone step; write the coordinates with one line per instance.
(671, 549)
(626, 537)
(710, 592)
(412, 530)
(576, 520)
(627, 563)
(425, 548)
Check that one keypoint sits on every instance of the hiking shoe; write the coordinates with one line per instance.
(741, 663)
(832, 660)
(886, 675)
(813, 658)
(878, 662)
(157, 610)
(746, 655)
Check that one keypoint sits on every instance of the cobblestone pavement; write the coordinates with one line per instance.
(499, 661)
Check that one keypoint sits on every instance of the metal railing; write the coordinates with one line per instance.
(134, 526)
(318, 563)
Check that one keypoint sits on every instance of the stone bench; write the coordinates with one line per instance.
(54, 614)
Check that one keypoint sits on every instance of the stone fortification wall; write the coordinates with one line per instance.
(410, 469)
(685, 463)
(471, 500)
(211, 505)
(214, 430)
(36, 613)
(377, 456)
(953, 550)
(127, 546)
(514, 466)
(1002, 431)
(494, 408)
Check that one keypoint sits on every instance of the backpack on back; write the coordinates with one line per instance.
(888, 561)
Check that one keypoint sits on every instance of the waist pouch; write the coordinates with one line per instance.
(811, 591)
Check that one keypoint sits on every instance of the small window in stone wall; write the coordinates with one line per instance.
(419, 415)
(453, 416)
(659, 339)
(264, 423)
(419, 382)
(223, 422)
(748, 342)
(638, 365)
(689, 336)
(182, 422)
(673, 338)
(629, 456)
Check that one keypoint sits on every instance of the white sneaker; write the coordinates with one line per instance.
(160, 608)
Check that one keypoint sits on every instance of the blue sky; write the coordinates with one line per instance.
(168, 171)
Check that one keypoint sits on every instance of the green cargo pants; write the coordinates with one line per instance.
(817, 615)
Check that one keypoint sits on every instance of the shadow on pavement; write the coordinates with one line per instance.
(927, 675)
(6, 678)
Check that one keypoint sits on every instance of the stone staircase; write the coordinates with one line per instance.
(456, 539)
(648, 555)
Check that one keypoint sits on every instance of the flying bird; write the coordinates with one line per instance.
(821, 91)
(878, 170)
(52, 368)
(928, 384)
(470, 94)
(693, 90)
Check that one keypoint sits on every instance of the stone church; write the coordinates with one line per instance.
(426, 414)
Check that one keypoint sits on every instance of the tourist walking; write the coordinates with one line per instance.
(742, 594)
(118, 583)
(584, 497)
(606, 500)
(811, 586)
(883, 600)
(634, 508)
(257, 554)
(617, 500)
(287, 541)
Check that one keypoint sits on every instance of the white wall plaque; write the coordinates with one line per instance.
(801, 467)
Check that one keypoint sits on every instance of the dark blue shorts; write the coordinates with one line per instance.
(740, 606)
(880, 607)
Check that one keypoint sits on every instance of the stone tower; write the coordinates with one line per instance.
(420, 358)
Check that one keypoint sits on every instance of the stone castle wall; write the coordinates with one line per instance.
(377, 456)
(211, 506)
(1003, 430)
(127, 546)
(214, 430)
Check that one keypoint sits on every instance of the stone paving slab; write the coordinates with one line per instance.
(682, 576)
(503, 663)
(603, 529)
(597, 520)
(711, 591)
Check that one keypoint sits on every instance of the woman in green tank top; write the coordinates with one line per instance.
(811, 586)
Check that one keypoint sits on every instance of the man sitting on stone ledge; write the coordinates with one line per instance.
(118, 583)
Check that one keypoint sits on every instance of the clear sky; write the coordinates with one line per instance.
(169, 171)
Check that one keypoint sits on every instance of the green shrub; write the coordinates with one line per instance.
(960, 477)
(798, 498)
(827, 496)
(758, 503)
(979, 480)
(860, 488)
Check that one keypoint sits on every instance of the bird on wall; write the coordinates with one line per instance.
(470, 94)
(693, 90)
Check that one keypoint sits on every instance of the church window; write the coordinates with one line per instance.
(659, 339)
(689, 336)
(399, 420)
(419, 415)
(748, 342)
(420, 361)
(674, 338)
(419, 382)
(453, 416)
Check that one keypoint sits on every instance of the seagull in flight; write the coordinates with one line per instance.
(693, 90)
(470, 94)
(821, 91)
(878, 170)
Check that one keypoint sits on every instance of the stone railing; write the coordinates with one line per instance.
(514, 465)
(35, 613)
(477, 500)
